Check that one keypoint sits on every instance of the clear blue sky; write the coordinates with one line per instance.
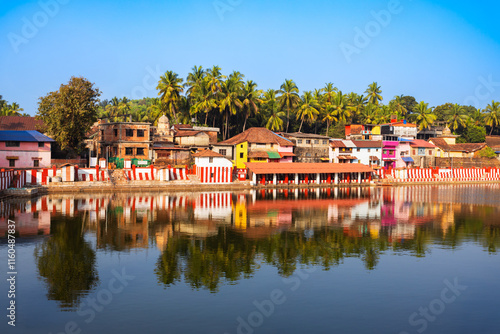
(437, 51)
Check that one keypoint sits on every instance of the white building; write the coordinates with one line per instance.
(212, 167)
(368, 152)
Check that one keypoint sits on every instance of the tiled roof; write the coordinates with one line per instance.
(187, 133)
(356, 129)
(258, 136)
(20, 123)
(493, 141)
(401, 124)
(367, 143)
(24, 136)
(258, 154)
(421, 143)
(207, 153)
(467, 147)
(337, 143)
(182, 126)
(304, 135)
(305, 168)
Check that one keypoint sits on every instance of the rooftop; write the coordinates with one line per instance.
(258, 136)
(207, 154)
(20, 123)
(421, 143)
(304, 135)
(24, 136)
(467, 147)
(305, 168)
(367, 143)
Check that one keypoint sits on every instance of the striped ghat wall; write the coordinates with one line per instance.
(215, 174)
(436, 174)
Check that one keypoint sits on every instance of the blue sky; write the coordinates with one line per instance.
(436, 51)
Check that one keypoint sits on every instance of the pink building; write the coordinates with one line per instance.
(389, 153)
(24, 149)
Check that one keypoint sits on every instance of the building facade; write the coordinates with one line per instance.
(309, 147)
(25, 149)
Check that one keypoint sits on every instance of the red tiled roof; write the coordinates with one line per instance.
(186, 133)
(493, 141)
(466, 147)
(367, 143)
(421, 143)
(19, 123)
(305, 168)
(207, 153)
(347, 157)
(337, 143)
(287, 154)
(401, 124)
(356, 129)
(258, 154)
(258, 136)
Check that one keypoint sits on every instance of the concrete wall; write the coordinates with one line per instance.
(26, 152)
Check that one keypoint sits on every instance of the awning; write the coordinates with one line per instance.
(325, 159)
(407, 159)
(374, 158)
(287, 154)
(258, 154)
(12, 158)
(273, 155)
(347, 157)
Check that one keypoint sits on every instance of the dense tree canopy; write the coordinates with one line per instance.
(69, 112)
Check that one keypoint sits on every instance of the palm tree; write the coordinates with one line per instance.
(170, 89)
(270, 102)
(329, 92)
(373, 93)
(308, 109)
(370, 114)
(397, 104)
(250, 100)
(357, 103)
(289, 97)
(230, 102)
(215, 79)
(341, 108)
(205, 100)
(329, 117)
(455, 116)
(423, 116)
(194, 79)
(155, 109)
(492, 117)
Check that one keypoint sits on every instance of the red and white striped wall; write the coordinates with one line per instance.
(215, 174)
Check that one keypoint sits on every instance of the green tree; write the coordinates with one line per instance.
(170, 89)
(456, 116)
(398, 106)
(492, 117)
(308, 109)
(250, 100)
(423, 116)
(341, 108)
(69, 112)
(373, 93)
(289, 98)
(205, 100)
(230, 102)
(275, 118)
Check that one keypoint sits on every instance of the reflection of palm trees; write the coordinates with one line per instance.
(66, 263)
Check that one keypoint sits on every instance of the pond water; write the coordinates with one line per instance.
(352, 260)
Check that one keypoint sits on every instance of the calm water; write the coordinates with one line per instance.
(388, 260)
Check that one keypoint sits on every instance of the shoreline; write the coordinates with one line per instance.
(106, 187)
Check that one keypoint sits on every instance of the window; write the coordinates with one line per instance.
(115, 131)
(41, 144)
(308, 141)
(430, 152)
(241, 155)
(36, 163)
(140, 133)
(222, 152)
(12, 144)
(102, 134)
(129, 132)
(272, 145)
(299, 141)
(359, 150)
(210, 159)
(414, 152)
(129, 151)
(325, 142)
(140, 151)
(308, 154)
(369, 150)
(115, 151)
(12, 163)
(316, 141)
(385, 152)
(241, 146)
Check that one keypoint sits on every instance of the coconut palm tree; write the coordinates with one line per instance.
(341, 108)
(156, 109)
(194, 79)
(250, 98)
(373, 93)
(215, 79)
(308, 109)
(398, 106)
(170, 89)
(230, 102)
(357, 103)
(270, 103)
(370, 114)
(423, 116)
(289, 98)
(204, 100)
(329, 92)
(329, 117)
(455, 116)
(492, 116)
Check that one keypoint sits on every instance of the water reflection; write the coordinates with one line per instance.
(209, 239)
